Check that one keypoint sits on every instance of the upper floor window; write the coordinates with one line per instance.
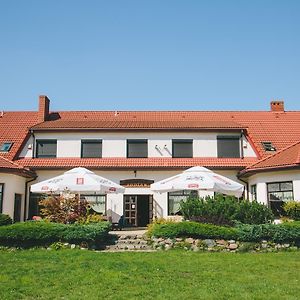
(91, 148)
(182, 148)
(229, 146)
(137, 148)
(1, 196)
(278, 193)
(268, 146)
(5, 147)
(46, 148)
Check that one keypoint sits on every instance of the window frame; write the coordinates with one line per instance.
(278, 191)
(91, 141)
(93, 195)
(183, 193)
(253, 191)
(1, 196)
(2, 148)
(182, 141)
(136, 141)
(229, 137)
(47, 141)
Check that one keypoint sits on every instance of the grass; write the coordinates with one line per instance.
(78, 274)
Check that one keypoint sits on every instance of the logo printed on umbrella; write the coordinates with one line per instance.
(195, 177)
(79, 181)
(222, 180)
(193, 186)
(112, 189)
(45, 188)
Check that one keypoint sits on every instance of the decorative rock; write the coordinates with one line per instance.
(221, 242)
(209, 243)
(189, 240)
(231, 241)
(168, 247)
(73, 246)
(286, 245)
(233, 246)
(264, 245)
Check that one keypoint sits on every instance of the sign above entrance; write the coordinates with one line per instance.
(136, 183)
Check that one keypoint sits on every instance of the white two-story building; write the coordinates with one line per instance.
(260, 149)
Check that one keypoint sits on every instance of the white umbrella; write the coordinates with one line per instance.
(199, 178)
(77, 180)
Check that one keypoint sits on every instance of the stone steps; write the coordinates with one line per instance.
(129, 242)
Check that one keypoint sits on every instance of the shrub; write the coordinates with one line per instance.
(225, 211)
(42, 233)
(286, 232)
(292, 209)
(253, 213)
(5, 219)
(194, 230)
(159, 221)
(61, 209)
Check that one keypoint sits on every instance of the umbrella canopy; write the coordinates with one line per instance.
(199, 178)
(77, 180)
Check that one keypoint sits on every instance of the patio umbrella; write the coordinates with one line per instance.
(199, 178)
(77, 180)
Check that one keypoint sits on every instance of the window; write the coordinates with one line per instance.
(174, 199)
(228, 146)
(182, 148)
(137, 148)
(97, 202)
(34, 208)
(253, 192)
(278, 193)
(91, 148)
(268, 146)
(1, 196)
(5, 147)
(46, 148)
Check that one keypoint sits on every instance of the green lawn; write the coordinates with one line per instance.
(77, 274)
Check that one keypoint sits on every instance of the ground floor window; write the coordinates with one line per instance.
(174, 199)
(253, 192)
(278, 193)
(34, 208)
(97, 203)
(1, 196)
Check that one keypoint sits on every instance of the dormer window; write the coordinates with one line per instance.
(5, 147)
(268, 146)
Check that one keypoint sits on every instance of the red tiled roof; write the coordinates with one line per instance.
(280, 128)
(8, 165)
(14, 128)
(285, 158)
(135, 163)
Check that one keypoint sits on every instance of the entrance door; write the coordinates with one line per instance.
(17, 208)
(138, 210)
(130, 209)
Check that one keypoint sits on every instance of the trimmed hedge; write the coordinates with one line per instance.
(31, 233)
(286, 232)
(5, 220)
(194, 230)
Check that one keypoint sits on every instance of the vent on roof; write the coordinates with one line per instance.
(268, 146)
(5, 147)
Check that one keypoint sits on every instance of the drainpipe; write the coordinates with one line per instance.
(247, 186)
(26, 196)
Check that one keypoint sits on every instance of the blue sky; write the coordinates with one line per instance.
(156, 54)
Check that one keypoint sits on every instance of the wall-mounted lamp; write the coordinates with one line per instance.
(135, 171)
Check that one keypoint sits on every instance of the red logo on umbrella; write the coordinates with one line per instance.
(112, 189)
(45, 188)
(80, 181)
(193, 186)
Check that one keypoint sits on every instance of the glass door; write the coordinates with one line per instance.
(130, 210)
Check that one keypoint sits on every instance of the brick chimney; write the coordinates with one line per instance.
(43, 112)
(277, 106)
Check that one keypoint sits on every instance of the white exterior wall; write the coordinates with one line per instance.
(13, 184)
(261, 180)
(114, 143)
(114, 203)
